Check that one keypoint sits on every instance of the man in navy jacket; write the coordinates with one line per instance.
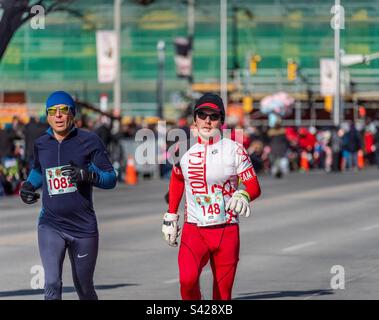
(68, 162)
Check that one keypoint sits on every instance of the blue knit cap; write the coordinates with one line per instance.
(61, 97)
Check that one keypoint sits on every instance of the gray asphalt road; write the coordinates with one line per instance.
(300, 228)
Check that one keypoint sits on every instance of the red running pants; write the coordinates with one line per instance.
(220, 245)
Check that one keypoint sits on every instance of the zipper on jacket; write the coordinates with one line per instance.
(59, 153)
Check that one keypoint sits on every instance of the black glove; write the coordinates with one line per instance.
(28, 194)
(78, 175)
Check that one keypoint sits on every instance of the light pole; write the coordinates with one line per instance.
(338, 23)
(117, 81)
(161, 60)
(191, 31)
(235, 37)
(236, 65)
(224, 52)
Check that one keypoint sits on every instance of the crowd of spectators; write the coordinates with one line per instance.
(277, 150)
(280, 150)
(274, 150)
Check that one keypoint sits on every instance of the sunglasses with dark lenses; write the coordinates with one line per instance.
(52, 111)
(213, 116)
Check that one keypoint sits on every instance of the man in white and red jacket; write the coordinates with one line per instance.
(220, 182)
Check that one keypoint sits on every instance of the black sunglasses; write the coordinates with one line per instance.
(213, 116)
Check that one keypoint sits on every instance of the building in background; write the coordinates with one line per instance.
(63, 55)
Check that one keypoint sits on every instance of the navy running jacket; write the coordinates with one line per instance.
(70, 212)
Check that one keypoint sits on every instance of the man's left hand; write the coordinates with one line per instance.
(78, 175)
(239, 203)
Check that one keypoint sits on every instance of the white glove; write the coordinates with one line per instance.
(239, 203)
(170, 228)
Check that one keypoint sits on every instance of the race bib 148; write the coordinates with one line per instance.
(212, 209)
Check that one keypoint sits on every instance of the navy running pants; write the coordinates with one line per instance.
(83, 254)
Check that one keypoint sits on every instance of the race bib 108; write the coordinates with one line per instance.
(57, 183)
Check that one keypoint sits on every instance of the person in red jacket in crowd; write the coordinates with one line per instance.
(369, 146)
(307, 143)
(307, 140)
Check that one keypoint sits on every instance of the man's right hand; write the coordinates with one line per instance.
(170, 228)
(28, 194)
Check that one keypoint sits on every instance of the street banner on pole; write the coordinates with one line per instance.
(106, 47)
(327, 77)
(183, 57)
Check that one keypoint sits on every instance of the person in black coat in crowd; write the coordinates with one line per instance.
(32, 130)
(7, 137)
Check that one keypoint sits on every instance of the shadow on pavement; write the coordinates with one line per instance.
(31, 292)
(282, 294)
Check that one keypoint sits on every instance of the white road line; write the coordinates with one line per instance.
(352, 279)
(368, 228)
(176, 280)
(30, 237)
(299, 246)
(19, 239)
(318, 192)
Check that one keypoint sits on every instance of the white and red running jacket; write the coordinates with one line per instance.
(208, 172)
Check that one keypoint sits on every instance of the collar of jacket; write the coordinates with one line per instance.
(73, 132)
(212, 140)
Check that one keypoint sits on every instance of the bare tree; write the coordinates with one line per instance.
(14, 13)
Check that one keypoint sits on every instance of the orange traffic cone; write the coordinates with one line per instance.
(360, 159)
(304, 164)
(131, 176)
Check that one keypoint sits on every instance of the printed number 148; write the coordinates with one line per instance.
(212, 209)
